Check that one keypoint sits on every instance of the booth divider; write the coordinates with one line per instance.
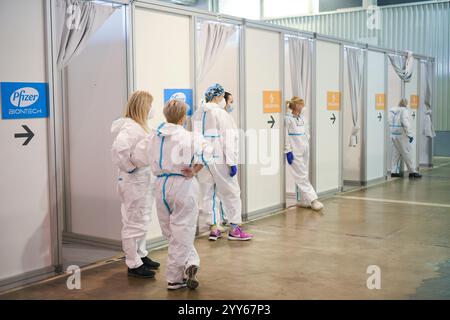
(326, 163)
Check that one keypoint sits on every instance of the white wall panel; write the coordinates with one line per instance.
(394, 94)
(327, 140)
(162, 61)
(375, 140)
(263, 73)
(96, 96)
(25, 237)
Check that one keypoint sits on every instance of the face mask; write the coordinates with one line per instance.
(151, 114)
(222, 103)
(229, 108)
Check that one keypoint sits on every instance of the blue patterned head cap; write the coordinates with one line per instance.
(216, 90)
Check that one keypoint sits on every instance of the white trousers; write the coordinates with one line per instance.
(300, 171)
(401, 151)
(216, 181)
(136, 194)
(176, 204)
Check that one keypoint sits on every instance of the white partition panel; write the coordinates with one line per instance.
(264, 178)
(96, 95)
(162, 61)
(327, 140)
(375, 133)
(25, 235)
(394, 94)
(411, 90)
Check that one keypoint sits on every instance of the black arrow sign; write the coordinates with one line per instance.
(379, 116)
(29, 135)
(272, 121)
(414, 115)
(333, 118)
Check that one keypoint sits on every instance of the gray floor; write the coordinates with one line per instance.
(402, 226)
(83, 255)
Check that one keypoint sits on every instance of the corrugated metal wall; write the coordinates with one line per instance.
(422, 28)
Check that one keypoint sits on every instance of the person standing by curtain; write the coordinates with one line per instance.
(297, 153)
(402, 137)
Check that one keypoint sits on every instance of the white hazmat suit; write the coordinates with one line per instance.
(135, 189)
(213, 123)
(297, 142)
(168, 150)
(399, 122)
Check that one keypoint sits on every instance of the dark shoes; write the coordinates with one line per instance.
(412, 175)
(192, 281)
(415, 175)
(149, 263)
(141, 272)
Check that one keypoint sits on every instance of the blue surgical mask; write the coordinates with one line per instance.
(229, 108)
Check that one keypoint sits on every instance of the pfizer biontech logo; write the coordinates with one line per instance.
(24, 97)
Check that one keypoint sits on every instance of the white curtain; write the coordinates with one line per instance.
(403, 65)
(355, 65)
(82, 19)
(427, 78)
(213, 38)
(300, 67)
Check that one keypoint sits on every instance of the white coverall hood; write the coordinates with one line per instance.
(120, 123)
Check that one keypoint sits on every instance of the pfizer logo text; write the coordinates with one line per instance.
(24, 97)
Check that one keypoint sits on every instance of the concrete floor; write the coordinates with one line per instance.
(299, 254)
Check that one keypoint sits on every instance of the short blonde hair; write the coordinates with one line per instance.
(138, 107)
(174, 111)
(403, 103)
(295, 100)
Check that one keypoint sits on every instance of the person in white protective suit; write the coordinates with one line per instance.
(175, 156)
(216, 216)
(212, 121)
(297, 153)
(402, 137)
(135, 184)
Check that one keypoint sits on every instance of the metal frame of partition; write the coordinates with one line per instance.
(57, 146)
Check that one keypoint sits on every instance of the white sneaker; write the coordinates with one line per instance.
(316, 205)
(177, 285)
(303, 204)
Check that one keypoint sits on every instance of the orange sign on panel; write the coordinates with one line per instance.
(333, 100)
(380, 99)
(271, 101)
(414, 101)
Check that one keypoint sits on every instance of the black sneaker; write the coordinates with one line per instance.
(141, 272)
(149, 263)
(396, 175)
(192, 281)
(415, 175)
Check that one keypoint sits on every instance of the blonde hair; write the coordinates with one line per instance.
(174, 111)
(138, 107)
(403, 103)
(295, 100)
